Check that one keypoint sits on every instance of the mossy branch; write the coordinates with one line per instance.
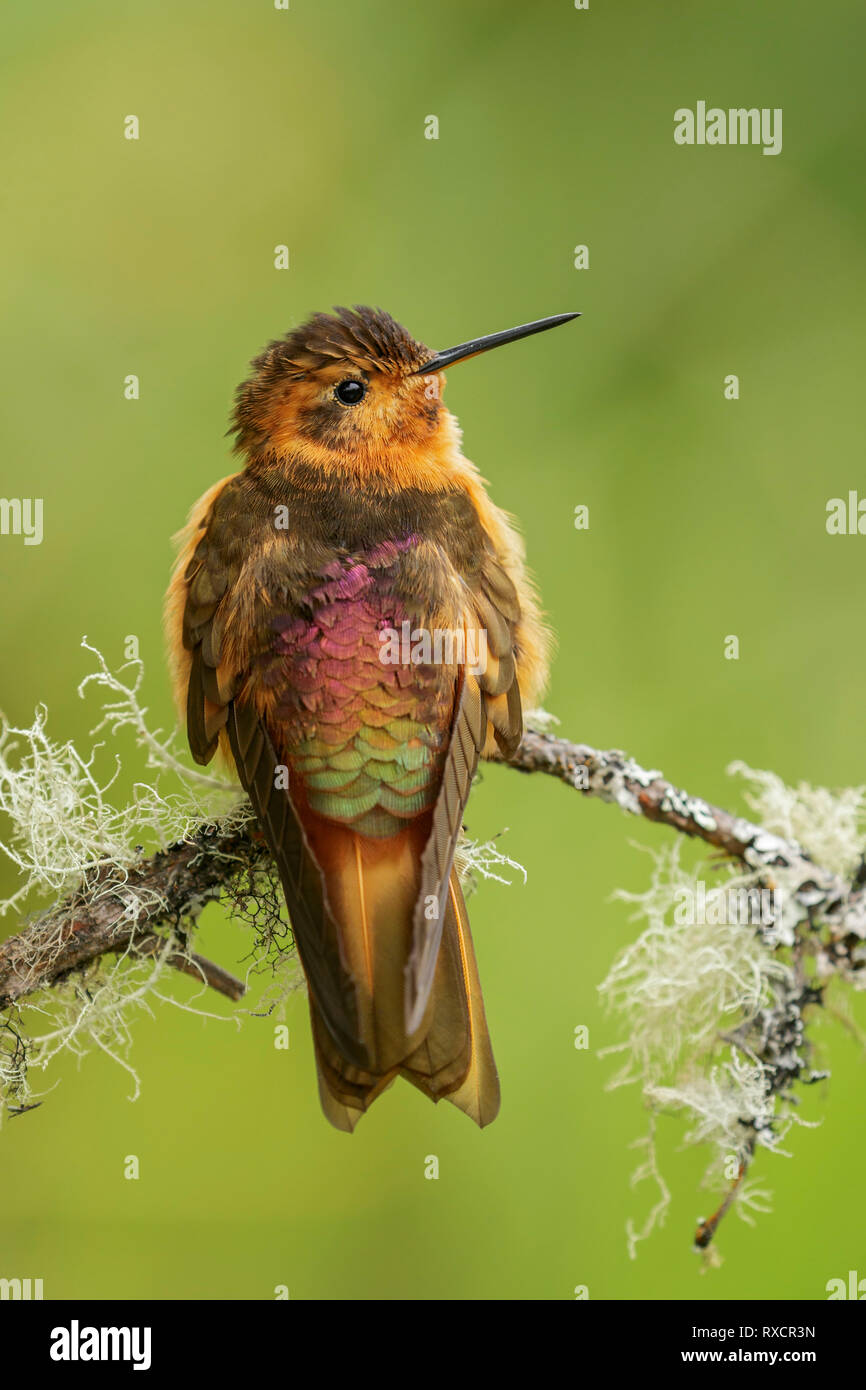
(171, 887)
(168, 889)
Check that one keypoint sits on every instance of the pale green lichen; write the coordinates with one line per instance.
(61, 820)
(712, 1008)
(64, 834)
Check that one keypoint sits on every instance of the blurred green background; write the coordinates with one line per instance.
(155, 257)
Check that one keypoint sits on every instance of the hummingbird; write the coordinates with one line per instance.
(355, 517)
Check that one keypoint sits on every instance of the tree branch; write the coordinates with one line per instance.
(170, 888)
(614, 776)
(166, 890)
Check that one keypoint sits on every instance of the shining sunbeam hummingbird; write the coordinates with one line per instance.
(354, 523)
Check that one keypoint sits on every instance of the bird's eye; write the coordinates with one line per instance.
(350, 392)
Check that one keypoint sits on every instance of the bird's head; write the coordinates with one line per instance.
(353, 389)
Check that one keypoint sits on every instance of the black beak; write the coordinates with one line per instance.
(477, 345)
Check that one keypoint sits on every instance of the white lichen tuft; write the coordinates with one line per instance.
(61, 820)
(752, 1200)
(682, 980)
(831, 826)
(63, 831)
(687, 983)
(726, 1107)
(648, 1169)
(126, 712)
(712, 996)
(475, 860)
(93, 1011)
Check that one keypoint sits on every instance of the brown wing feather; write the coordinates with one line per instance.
(487, 703)
(211, 705)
